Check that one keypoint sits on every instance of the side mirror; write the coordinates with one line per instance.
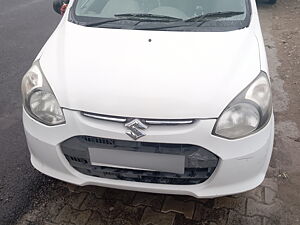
(60, 6)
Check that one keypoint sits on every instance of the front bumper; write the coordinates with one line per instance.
(242, 163)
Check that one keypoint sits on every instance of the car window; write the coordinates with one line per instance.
(93, 10)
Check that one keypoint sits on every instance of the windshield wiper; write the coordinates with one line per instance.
(145, 17)
(201, 18)
(213, 16)
(148, 16)
(103, 21)
(140, 17)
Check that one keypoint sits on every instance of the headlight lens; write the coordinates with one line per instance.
(38, 98)
(248, 112)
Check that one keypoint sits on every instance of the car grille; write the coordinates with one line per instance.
(199, 162)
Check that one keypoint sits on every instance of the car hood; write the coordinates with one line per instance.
(149, 74)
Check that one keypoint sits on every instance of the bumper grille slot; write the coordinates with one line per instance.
(199, 162)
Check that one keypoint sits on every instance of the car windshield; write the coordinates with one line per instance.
(162, 14)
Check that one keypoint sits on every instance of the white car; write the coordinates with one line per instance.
(163, 96)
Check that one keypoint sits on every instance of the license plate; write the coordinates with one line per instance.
(137, 160)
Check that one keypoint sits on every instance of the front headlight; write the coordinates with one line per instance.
(248, 112)
(38, 98)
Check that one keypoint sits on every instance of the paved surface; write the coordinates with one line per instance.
(24, 28)
(69, 204)
(276, 201)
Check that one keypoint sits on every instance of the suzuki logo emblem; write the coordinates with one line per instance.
(135, 129)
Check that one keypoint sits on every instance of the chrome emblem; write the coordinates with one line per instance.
(135, 129)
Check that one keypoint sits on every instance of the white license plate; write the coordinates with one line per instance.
(137, 160)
